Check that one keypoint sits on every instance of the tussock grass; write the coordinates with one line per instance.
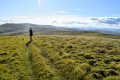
(82, 58)
(12, 59)
(59, 58)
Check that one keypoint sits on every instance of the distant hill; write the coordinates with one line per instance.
(50, 27)
(101, 30)
(20, 29)
(9, 29)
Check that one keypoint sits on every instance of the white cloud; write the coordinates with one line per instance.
(67, 20)
(79, 9)
(107, 20)
(60, 11)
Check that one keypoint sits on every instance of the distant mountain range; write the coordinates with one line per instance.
(10, 29)
(101, 30)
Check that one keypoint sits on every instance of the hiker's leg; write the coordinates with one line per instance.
(30, 38)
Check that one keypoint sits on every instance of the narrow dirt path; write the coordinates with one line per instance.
(29, 66)
(55, 71)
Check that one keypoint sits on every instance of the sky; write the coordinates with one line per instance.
(62, 13)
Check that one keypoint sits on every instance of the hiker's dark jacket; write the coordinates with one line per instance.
(31, 32)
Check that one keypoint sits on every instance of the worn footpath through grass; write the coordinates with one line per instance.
(41, 66)
(59, 58)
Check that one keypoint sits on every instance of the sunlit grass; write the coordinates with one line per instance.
(59, 58)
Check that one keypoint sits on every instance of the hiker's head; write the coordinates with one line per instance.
(30, 28)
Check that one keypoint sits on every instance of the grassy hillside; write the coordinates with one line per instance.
(79, 33)
(23, 29)
(59, 58)
(10, 29)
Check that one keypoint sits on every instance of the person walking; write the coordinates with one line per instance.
(31, 34)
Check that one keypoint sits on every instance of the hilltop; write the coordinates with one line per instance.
(10, 29)
(57, 53)
(22, 29)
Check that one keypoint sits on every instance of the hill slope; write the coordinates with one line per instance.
(59, 58)
(13, 29)
(23, 29)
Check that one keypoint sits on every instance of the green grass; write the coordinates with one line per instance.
(81, 58)
(12, 59)
(59, 58)
(41, 71)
